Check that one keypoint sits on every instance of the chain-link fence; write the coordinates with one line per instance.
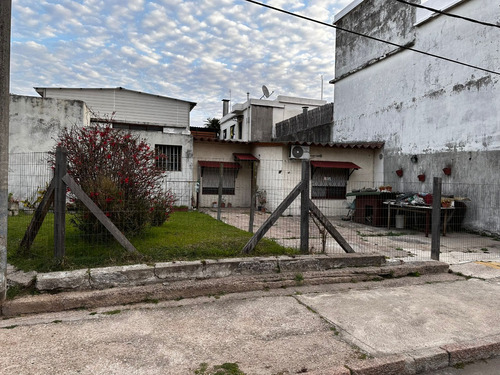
(393, 219)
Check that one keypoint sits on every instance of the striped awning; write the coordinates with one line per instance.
(244, 157)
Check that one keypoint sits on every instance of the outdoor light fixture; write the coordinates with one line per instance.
(447, 171)
(399, 172)
(414, 159)
(421, 177)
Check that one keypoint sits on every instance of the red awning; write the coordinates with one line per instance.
(245, 157)
(216, 164)
(334, 164)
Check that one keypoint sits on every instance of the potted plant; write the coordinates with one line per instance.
(13, 205)
(261, 200)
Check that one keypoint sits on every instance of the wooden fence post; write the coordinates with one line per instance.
(304, 209)
(253, 192)
(60, 203)
(436, 218)
(219, 200)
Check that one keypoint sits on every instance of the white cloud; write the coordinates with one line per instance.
(196, 50)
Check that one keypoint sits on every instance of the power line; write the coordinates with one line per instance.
(449, 14)
(373, 38)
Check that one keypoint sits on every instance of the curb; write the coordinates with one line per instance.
(133, 289)
(142, 274)
(425, 360)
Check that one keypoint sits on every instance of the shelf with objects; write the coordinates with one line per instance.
(420, 205)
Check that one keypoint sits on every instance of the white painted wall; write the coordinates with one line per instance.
(36, 122)
(278, 174)
(34, 125)
(445, 113)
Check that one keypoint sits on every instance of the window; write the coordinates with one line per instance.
(329, 183)
(211, 181)
(168, 158)
(231, 131)
(224, 134)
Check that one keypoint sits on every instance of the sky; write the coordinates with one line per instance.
(201, 51)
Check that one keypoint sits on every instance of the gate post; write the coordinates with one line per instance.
(60, 203)
(304, 209)
(436, 218)
(219, 191)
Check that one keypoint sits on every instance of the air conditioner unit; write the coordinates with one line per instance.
(299, 152)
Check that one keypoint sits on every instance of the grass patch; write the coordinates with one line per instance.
(112, 312)
(299, 278)
(18, 291)
(224, 369)
(334, 330)
(151, 300)
(10, 327)
(186, 236)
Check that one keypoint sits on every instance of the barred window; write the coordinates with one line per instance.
(168, 158)
(211, 181)
(329, 183)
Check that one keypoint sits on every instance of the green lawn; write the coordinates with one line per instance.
(186, 236)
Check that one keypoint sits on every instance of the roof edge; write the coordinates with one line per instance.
(40, 91)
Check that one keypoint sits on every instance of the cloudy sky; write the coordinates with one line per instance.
(196, 50)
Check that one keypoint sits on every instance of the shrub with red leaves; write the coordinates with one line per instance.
(118, 171)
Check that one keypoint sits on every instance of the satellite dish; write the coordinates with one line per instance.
(265, 91)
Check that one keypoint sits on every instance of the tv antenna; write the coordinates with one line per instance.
(265, 91)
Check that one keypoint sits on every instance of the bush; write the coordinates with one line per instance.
(118, 171)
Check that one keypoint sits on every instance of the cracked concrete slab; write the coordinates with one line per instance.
(266, 335)
(404, 319)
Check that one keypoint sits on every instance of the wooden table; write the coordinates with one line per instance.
(427, 210)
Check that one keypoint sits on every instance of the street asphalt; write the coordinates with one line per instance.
(398, 326)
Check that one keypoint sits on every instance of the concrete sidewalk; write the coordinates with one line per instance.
(398, 326)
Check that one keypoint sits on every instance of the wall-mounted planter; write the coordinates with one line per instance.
(447, 171)
(399, 172)
(421, 177)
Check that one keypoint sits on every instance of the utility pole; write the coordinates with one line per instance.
(5, 20)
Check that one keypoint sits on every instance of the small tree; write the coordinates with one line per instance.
(119, 172)
(213, 123)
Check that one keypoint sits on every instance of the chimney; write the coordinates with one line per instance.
(304, 117)
(225, 107)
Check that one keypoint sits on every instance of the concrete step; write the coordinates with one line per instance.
(133, 284)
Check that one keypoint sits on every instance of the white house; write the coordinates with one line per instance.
(255, 119)
(335, 170)
(162, 121)
(431, 113)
